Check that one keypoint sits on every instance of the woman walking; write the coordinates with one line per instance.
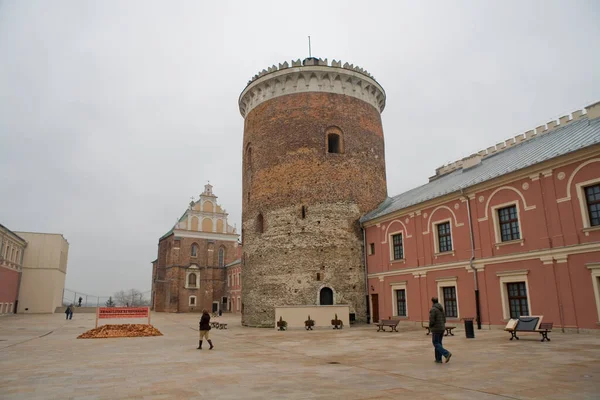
(204, 328)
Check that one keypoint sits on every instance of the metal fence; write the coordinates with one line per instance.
(90, 300)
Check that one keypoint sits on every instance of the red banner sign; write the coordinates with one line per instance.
(122, 312)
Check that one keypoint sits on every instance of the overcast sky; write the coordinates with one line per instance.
(114, 113)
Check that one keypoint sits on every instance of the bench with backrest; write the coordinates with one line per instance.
(392, 323)
(448, 330)
(218, 325)
(531, 323)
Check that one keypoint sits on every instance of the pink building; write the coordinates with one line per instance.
(512, 230)
(12, 247)
(234, 286)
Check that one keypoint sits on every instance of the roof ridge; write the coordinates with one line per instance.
(562, 139)
(476, 158)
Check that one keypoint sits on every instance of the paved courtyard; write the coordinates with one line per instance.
(40, 358)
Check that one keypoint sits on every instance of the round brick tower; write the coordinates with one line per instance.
(313, 164)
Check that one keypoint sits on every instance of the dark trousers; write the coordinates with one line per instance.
(69, 315)
(436, 339)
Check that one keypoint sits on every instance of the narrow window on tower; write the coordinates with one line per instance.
(333, 143)
(249, 157)
(334, 140)
(303, 212)
(260, 223)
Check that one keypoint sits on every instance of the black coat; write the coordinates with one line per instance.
(205, 322)
(437, 318)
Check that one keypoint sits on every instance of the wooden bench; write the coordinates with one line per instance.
(544, 328)
(529, 324)
(218, 325)
(448, 330)
(392, 323)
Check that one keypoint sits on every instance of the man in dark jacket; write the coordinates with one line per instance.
(69, 312)
(204, 329)
(437, 326)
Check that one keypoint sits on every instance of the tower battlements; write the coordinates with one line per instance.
(311, 75)
(591, 111)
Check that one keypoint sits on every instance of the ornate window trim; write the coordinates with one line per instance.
(193, 269)
(583, 205)
(450, 281)
(511, 277)
(496, 224)
(399, 286)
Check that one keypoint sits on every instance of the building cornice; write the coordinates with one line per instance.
(311, 75)
(556, 254)
(228, 237)
(13, 235)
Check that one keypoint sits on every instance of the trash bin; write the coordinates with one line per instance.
(469, 330)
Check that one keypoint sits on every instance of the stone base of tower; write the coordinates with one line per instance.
(268, 319)
(308, 261)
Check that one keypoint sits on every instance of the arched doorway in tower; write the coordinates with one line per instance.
(326, 297)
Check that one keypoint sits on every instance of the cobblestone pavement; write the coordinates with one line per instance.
(40, 358)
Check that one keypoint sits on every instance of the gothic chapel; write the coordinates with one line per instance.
(190, 272)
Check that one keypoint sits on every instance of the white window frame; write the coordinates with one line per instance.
(497, 231)
(371, 250)
(434, 228)
(512, 277)
(595, 275)
(1, 308)
(237, 304)
(399, 286)
(391, 242)
(192, 270)
(190, 301)
(450, 281)
(583, 206)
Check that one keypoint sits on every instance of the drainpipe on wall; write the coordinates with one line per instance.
(366, 274)
(475, 278)
(560, 305)
(20, 278)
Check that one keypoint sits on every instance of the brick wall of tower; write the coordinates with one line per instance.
(287, 167)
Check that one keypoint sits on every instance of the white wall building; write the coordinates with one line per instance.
(44, 272)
